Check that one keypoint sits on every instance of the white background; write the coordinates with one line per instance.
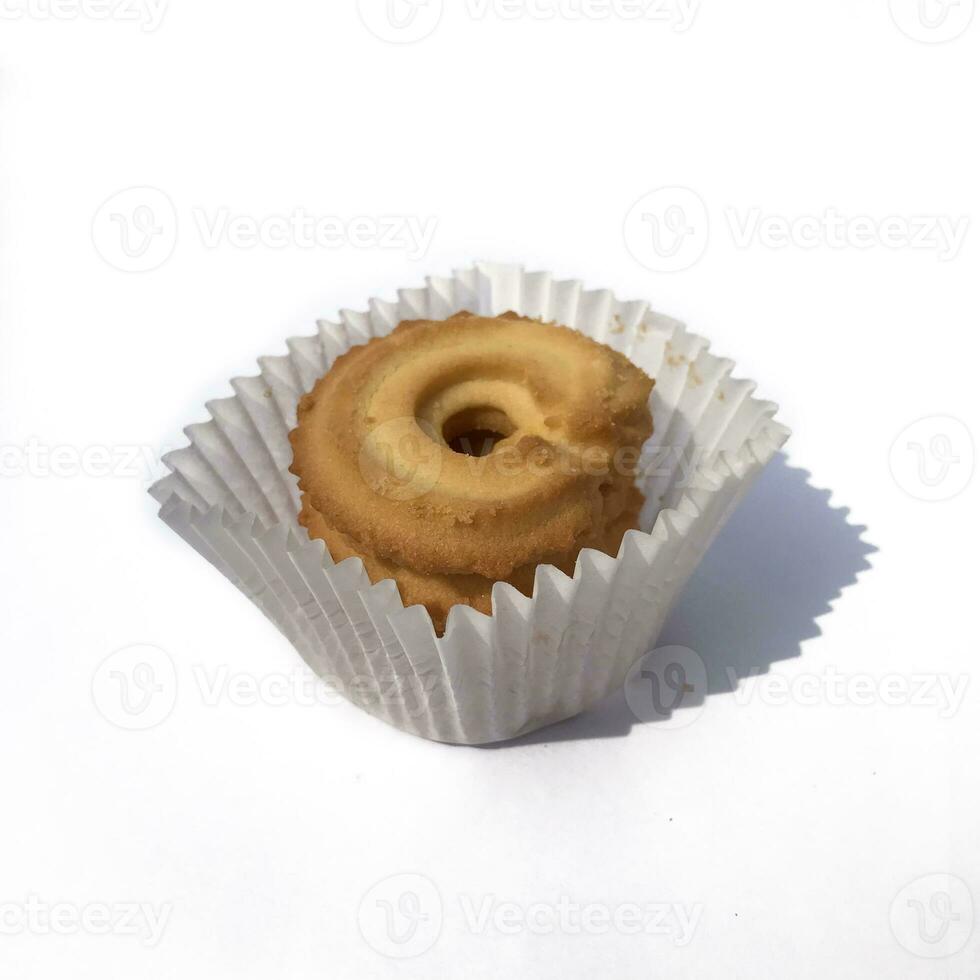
(789, 825)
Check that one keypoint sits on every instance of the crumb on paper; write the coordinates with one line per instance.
(674, 360)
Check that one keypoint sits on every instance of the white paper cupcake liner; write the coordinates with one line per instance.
(537, 659)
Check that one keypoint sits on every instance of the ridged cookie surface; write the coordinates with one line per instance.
(452, 454)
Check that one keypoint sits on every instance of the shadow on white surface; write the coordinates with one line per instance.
(783, 557)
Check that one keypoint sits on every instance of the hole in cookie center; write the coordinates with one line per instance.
(475, 431)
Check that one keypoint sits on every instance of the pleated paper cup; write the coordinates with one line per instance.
(535, 660)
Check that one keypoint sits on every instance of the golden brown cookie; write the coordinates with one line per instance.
(452, 454)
